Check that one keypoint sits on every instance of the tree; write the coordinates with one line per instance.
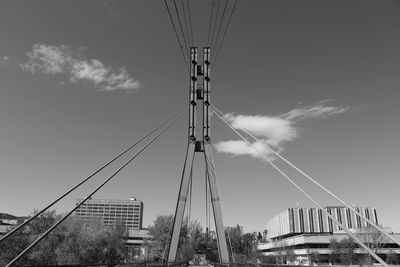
(43, 253)
(211, 248)
(242, 245)
(190, 238)
(268, 259)
(373, 239)
(76, 242)
(392, 258)
(334, 247)
(248, 244)
(11, 247)
(234, 239)
(290, 256)
(196, 236)
(72, 242)
(314, 257)
(342, 252)
(280, 257)
(194, 241)
(161, 232)
(347, 251)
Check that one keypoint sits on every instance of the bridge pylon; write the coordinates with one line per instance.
(203, 145)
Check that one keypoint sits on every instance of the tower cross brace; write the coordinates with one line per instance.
(200, 146)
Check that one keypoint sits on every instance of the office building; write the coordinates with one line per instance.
(137, 244)
(307, 232)
(109, 213)
(294, 221)
(9, 222)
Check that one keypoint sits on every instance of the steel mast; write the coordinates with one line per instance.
(201, 146)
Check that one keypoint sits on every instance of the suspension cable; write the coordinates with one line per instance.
(230, 244)
(215, 174)
(211, 20)
(167, 243)
(207, 227)
(190, 196)
(210, 209)
(9, 234)
(220, 24)
(177, 36)
(188, 209)
(91, 194)
(180, 26)
(189, 201)
(186, 22)
(302, 191)
(224, 34)
(210, 166)
(373, 224)
(215, 23)
(190, 21)
(208, 201)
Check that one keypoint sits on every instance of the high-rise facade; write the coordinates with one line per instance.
(294, 221)
(110, 213)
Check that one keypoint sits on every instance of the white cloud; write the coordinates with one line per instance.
(317, 111)
(240, 147)
(272, 130)
(5, 60)
(93, 71)
(47, 59)
(60, 59)
(121, 80)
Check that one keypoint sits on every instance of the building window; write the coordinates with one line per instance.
(339, 215)
(348, 218)
(321, 223)
(311, 219)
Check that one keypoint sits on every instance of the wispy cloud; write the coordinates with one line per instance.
(316, 111)
(49, 59)
(273, 130)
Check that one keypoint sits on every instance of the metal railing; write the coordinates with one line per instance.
(249, 264)
(132, 264)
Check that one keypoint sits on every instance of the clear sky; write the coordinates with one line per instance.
(319, 80)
